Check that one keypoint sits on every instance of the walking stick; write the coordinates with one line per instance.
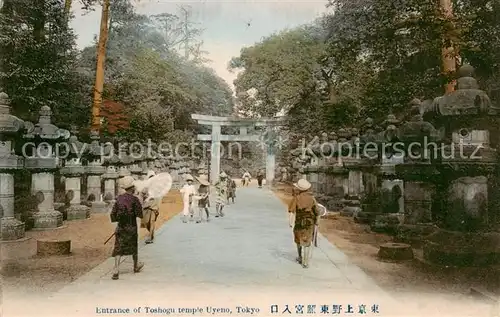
(110, 237)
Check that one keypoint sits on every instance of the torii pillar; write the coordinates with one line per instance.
(216, 137)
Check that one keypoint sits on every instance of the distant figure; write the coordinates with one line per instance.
(260, 177)
(221, 200)
(304, 216)
(284, 174)
(246, 178)
(125, 211)
(187, 192)
(231, 189)
(203, 202)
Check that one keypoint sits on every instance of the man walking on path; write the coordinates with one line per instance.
(304, 216)
(150, 211)
(221, 189)
(203, 202)
(260, 177)
(246, 178)
(187, 192)
(231, 189)
(126, 210)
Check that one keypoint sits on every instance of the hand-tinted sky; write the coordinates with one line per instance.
(225, 23)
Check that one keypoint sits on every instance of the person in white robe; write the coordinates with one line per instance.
(187, 192)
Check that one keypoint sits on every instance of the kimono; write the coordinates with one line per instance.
(260, 177)
(203, 190)
(221, 189)
(231, 189)
(306, 216)
(126, 210)
(187, 192)
(150, 214)
(246, 178)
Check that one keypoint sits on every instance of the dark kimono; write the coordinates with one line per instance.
(260, 178)
(231, 189)
(203, 203)
(306, 215)
(126, 211)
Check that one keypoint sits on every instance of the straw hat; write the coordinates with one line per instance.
(203, 179)
(223, 175)
(302, 185)
(150, 174)
(127, 182)
(188, 177)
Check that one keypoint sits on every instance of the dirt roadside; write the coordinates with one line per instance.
(27, 273)
(402, 280)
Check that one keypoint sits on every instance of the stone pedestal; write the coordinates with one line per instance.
(12, 229)
(352, 202)
(136, 171)
(76, 210)
(46, 217)
(122, 172)
(10, 128)
(94, 171)
(73, 171)
(110, 178)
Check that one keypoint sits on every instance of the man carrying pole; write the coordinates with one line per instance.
(125, 211)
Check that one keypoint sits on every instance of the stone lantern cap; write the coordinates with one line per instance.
(111, 173)
(416, 128)
(9, 124)
(44, 129)
(77, 148)
(467, 99)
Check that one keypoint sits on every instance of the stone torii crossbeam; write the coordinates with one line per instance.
(216, 137)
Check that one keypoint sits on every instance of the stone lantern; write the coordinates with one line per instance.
(43, 163)
(73, 172)
(418, 173)
(353, 162)
(94, 171)
(10, 128)
(111, 163)
(467, 200)
(369, 164)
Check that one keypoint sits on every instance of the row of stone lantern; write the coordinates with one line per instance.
(449, 168)
(42, 159)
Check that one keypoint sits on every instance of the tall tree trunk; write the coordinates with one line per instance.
(67, 7)
(99, 77)
(448, 52)
(39, 21)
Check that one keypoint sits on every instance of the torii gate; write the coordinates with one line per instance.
(243, 123)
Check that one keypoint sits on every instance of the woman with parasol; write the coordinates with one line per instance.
(303, 216)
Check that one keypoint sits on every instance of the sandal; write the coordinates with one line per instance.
(138, 268)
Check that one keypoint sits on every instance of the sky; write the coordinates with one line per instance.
(225, 23)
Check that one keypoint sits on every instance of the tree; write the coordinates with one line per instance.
(179, 33)
(38, 59)
(157, 88)
(278, 72)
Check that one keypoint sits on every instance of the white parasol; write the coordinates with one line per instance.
(159, 185)
(322, 210)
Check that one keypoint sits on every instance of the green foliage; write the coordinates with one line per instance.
(280, 70)
(37, 59)
(366, 58)
(144, 71)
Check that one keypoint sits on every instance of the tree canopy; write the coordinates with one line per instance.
(153, 81)
(366, 58)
